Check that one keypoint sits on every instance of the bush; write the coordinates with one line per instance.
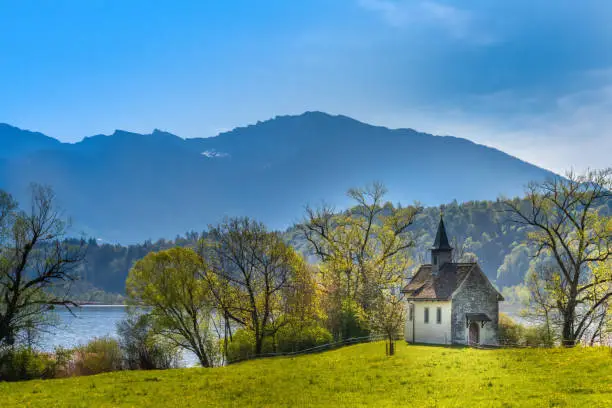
(537, 336)
(512, 333)
(100, 355)
(142, 349)
(22, 363)
(287, 339)
(241, 346)
(63, 362)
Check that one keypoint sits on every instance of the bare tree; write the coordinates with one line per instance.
(254, 269)
(542, 306)
(34, 258)
(567, 222)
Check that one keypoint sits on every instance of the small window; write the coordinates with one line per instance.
(439, 315)
(426, 317)
(410, 312)
(435, 259)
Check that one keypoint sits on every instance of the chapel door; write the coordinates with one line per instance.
(474, 333)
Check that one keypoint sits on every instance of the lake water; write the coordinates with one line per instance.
(88, 322)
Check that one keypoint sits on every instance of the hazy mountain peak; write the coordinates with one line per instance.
(129, 186)
(16, 142)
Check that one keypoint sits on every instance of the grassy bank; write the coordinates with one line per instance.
(360, 375)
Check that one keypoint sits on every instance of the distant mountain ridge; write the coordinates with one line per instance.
(128, 187)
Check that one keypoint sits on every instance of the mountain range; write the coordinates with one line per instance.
(128, 187)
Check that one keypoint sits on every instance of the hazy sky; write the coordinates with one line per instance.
(533, 78)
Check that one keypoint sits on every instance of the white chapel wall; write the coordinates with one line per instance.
(432, 332)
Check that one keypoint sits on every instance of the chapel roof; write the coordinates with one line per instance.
(427, 286)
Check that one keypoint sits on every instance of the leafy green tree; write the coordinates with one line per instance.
(363, 253)
(169, 282)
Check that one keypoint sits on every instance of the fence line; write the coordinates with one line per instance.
(378, 337)
(316, 349)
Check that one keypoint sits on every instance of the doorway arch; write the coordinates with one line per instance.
(474, 334)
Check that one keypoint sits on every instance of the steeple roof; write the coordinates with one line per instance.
(441, 242)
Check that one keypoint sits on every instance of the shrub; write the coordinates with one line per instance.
(22, 363)
(63, 359)
(142, 349)
(100, 355)
(287, 339)
(537, 336)
(512, 333)
(241, 346)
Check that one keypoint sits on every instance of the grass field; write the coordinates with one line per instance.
(361, 375)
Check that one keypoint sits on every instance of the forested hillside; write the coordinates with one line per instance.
(478, 230)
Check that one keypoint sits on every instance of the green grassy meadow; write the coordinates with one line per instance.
(360, 375)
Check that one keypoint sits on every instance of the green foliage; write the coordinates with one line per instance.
(354, 376)
(242, 346)
(353, 320)
(287, 339)
(259, 282)
(538, 336)
(512, 333)
(170, 283)
(570, 231)
(22, 363)
(364, 254)
(516, 263)
(63, 362)
(107, 265)
(100, 355)
(509, 332)
(142, 348)
(479, 230)
(290, 339)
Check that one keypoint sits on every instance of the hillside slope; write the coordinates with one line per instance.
(354, 376)
(129, 187)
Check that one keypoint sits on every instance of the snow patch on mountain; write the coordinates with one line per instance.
(214, 153)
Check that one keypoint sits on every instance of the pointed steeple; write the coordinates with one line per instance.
(441, 242)
(441, 252)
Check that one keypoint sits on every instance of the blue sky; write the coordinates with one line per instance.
(533, 78)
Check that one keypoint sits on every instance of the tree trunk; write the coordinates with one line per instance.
(203, 361)
(391, 346)
(202, 357)
(568, 337)
(549, 338)
(599, 329)
(258, 342)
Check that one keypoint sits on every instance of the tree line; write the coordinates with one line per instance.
(478, 228)
(245, 284)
